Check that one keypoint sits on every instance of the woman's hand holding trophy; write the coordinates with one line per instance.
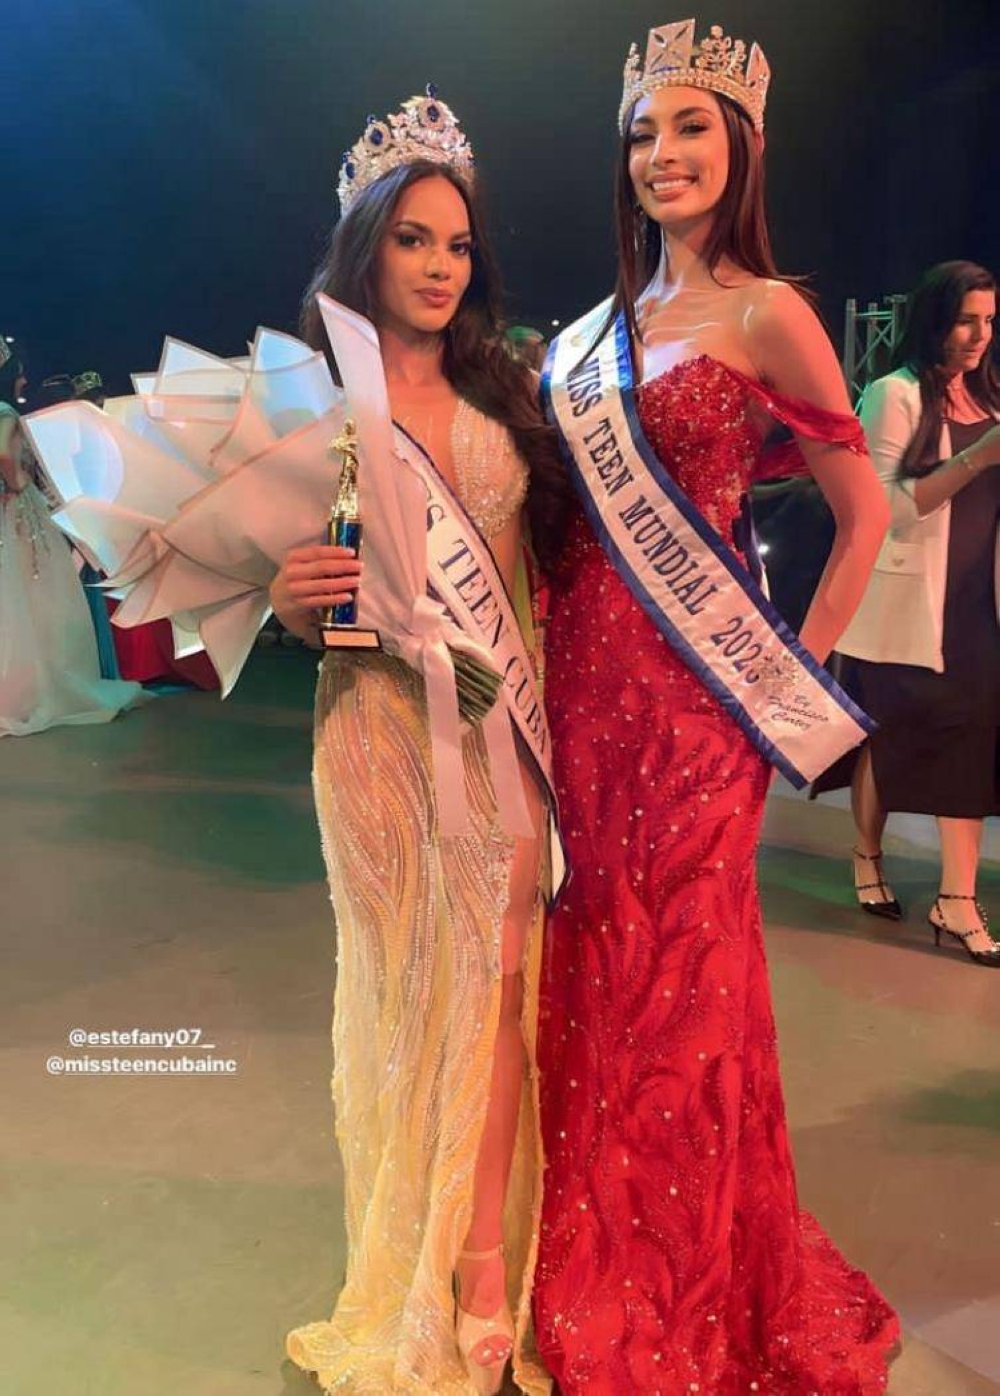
(324, 578)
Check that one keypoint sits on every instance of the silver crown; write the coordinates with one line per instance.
(717, 64)
(425, 129)
(6, 352)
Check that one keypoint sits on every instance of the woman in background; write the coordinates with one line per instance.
(925, 640)
(49, 668)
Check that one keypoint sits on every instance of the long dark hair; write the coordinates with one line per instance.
(476, 362)
(739, 229)
(10, 372)
(932, 314)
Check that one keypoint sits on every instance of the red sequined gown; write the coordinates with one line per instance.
(674, 1257)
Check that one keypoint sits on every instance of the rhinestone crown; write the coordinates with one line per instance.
(425, 129)
(6, 352)
(718, 63)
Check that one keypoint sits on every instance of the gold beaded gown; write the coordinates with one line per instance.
(418, 921)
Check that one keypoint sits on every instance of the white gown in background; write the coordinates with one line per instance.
(49, 669)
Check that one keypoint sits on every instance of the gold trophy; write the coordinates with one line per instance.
(339, 627)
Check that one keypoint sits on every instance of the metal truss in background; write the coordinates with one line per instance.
(869, 336)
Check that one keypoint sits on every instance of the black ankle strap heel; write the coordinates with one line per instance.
(981, 957)
(886, 907)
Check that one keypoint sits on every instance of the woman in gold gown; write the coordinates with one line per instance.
(438, 938)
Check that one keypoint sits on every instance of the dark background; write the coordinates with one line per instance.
(169, 165)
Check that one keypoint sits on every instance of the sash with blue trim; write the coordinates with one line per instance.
(688, 580)
(464, 578)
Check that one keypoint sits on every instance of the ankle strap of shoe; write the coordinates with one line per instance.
(965, 897)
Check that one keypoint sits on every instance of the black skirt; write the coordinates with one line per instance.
(937, 748)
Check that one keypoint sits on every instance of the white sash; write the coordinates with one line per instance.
(431, 582)
(689, 582)
(464, 577)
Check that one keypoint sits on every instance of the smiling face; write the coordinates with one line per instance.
(678, 157)
(969, 338)
(424, 262)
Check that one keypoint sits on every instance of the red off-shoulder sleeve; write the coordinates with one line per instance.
(783, 457)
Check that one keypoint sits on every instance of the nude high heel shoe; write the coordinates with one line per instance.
(472, 1331)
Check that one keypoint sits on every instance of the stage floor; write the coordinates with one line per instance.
(161, 1234)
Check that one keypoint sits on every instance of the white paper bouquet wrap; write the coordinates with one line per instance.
(135, 480)
(190, 493)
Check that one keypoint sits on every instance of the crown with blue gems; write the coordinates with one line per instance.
(716, 63)
(424, 129)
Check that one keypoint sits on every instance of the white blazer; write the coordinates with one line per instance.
(901, 616)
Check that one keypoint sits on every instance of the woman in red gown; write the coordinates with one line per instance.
(673, 1254)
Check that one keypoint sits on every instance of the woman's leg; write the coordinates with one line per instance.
(873, 892)
(960, 844)
(482, 1282)
(869, 816)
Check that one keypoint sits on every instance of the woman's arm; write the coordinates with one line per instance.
(889, 418)
(942, 483)
(793, 354)
(310, 579)
(890, 412)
